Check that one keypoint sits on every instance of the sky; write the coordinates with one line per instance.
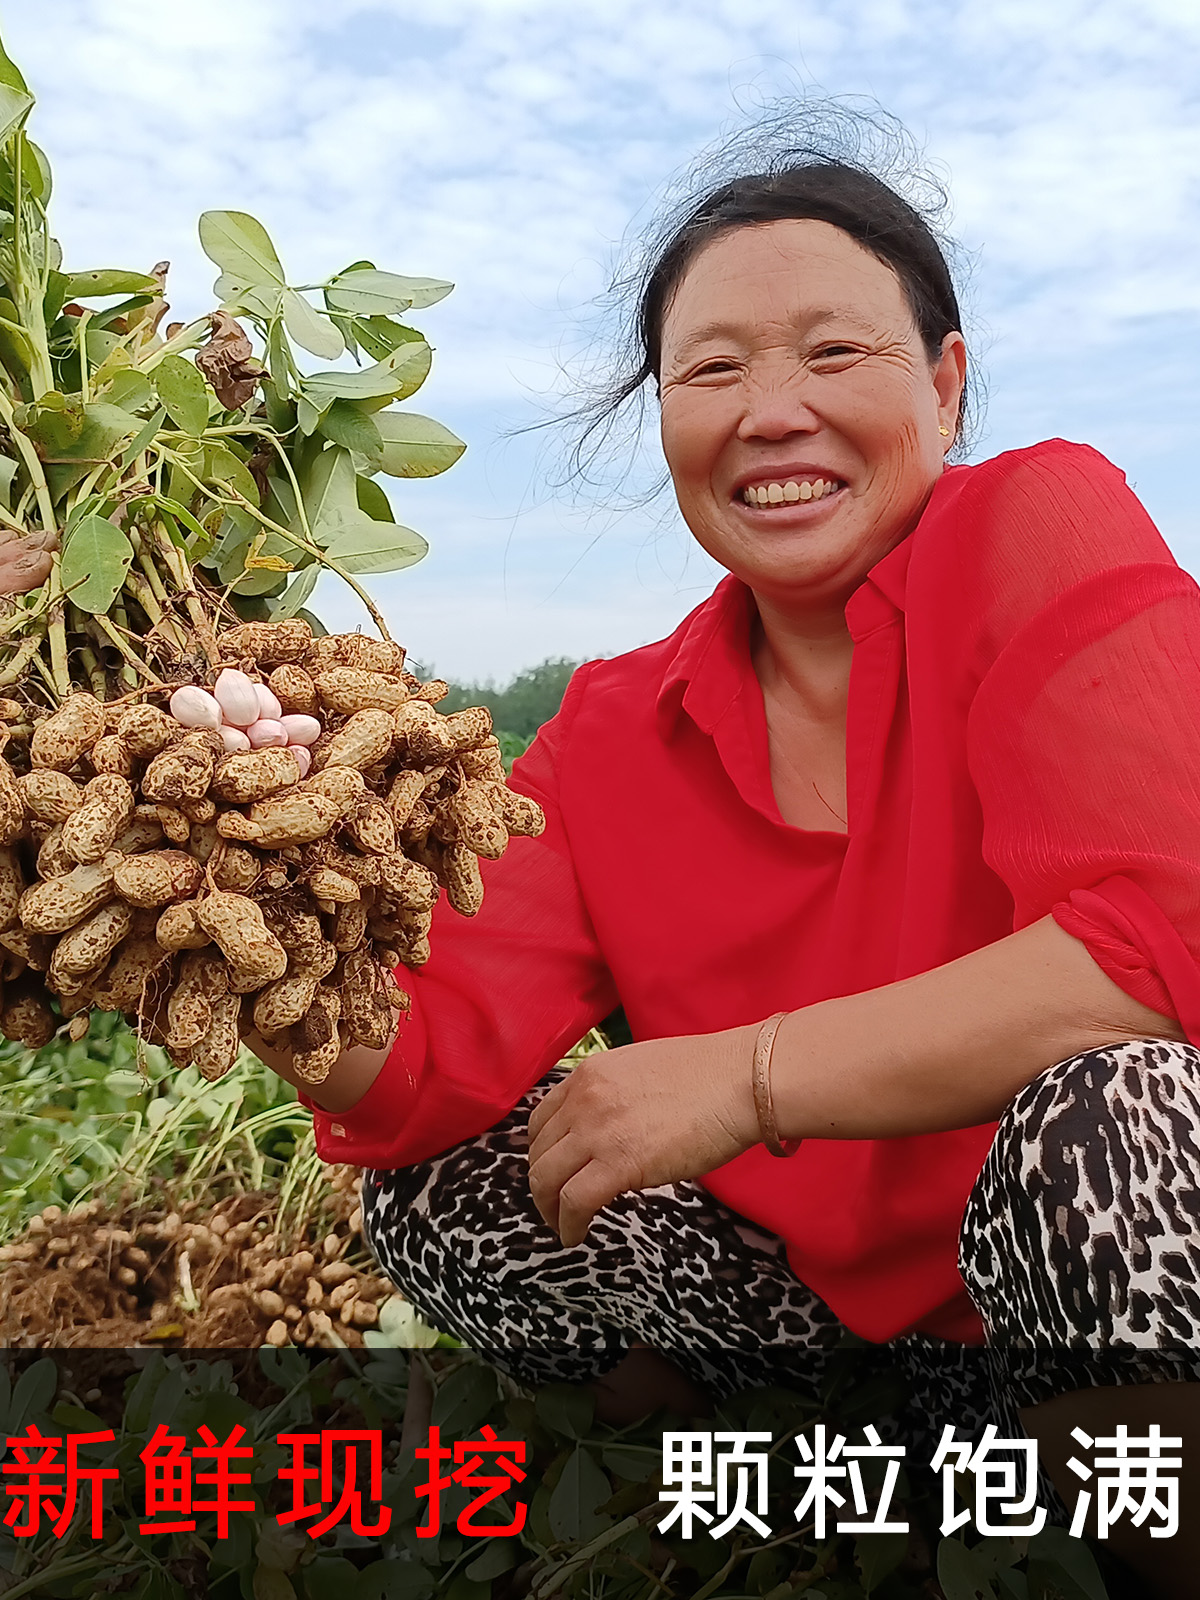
(520, 148)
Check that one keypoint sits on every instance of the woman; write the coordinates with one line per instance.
(921, 776)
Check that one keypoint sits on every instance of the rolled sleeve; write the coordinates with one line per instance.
(1084, 745)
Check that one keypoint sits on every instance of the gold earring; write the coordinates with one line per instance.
(945, 432)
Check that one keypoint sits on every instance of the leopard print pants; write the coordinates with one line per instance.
(1080, 1246)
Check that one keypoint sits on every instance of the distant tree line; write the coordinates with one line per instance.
(521, 706)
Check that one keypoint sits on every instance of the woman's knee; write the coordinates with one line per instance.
(1085, 1213)
(1141, 1097)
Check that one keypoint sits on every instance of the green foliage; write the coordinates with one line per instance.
(106, 1116)
(591, 1528)
(152, 456)
(523, 704)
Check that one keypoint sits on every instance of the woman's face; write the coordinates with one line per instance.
(800, 411)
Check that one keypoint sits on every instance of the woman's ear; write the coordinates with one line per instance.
(949, 379)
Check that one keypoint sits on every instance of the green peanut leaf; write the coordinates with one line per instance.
(310, 330)
(10, 73)
(15, 106)
(397, 376)
(415, 446)
(353, 429)
(107, 280)
(379, 336)
(184, 393)
(961, 1575)
(582, 1487)
(261, 300)
(240, 246)
(8, 471)
(363, 545)
(364, 291)
(372, 499)
(296, 593)
(221, 465)
(129, 389)
(327, 489)
(96, 558)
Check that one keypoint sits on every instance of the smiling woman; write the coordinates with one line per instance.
(868, 852)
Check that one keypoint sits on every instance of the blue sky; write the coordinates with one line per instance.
(515, 147)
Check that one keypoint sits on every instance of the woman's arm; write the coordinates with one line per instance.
(352, 1074)
(951, 1047)
(947, 1049)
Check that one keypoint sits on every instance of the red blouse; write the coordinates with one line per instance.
(1021, 740)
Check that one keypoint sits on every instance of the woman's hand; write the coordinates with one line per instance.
(640, 1116)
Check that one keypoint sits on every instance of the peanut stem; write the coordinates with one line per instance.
(59, 670)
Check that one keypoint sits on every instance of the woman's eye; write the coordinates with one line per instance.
(835, 350)
(712, 367)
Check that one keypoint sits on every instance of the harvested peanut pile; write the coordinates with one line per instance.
(258, 845)
(221, 1279)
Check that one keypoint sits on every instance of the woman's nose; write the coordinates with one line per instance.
(775, 406)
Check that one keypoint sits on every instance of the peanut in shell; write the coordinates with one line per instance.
(284, 1002)
(88, 945)
(157, 877)
(90, 832)
(295, 818)
(49, 794)
(178, 928)
(202, 981)
(137, 968)
(146, 731)
(234, 867)
(182, 772)
(371, 827)
(61, 738)
(344, 690)
(267, 642)
(236, 926)
(218, 1050)
(12, 885)
(294, 690)
(254, 774)
(25, 1014)
(354, 650)
(326, 884)
(363, 740)
(56, 905)
(461, 876)
(112, 754)
(53, 859)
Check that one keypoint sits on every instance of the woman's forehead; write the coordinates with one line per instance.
(800, 268)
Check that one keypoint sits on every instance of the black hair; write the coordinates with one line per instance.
(815, 158)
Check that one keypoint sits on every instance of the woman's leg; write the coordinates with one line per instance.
(1080, 1246)
(1083, 1228)
(670, 1268)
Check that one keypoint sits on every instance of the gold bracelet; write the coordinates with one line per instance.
(767, 1126)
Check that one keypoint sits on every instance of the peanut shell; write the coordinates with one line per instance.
(364, 739)
(60, 739)
(157, 877)
(254, 774)
(49, 794)
(56, 905)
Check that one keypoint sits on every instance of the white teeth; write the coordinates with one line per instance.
(773, 494)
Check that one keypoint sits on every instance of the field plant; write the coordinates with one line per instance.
(151, 481)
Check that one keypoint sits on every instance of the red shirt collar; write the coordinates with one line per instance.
(711, 662)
